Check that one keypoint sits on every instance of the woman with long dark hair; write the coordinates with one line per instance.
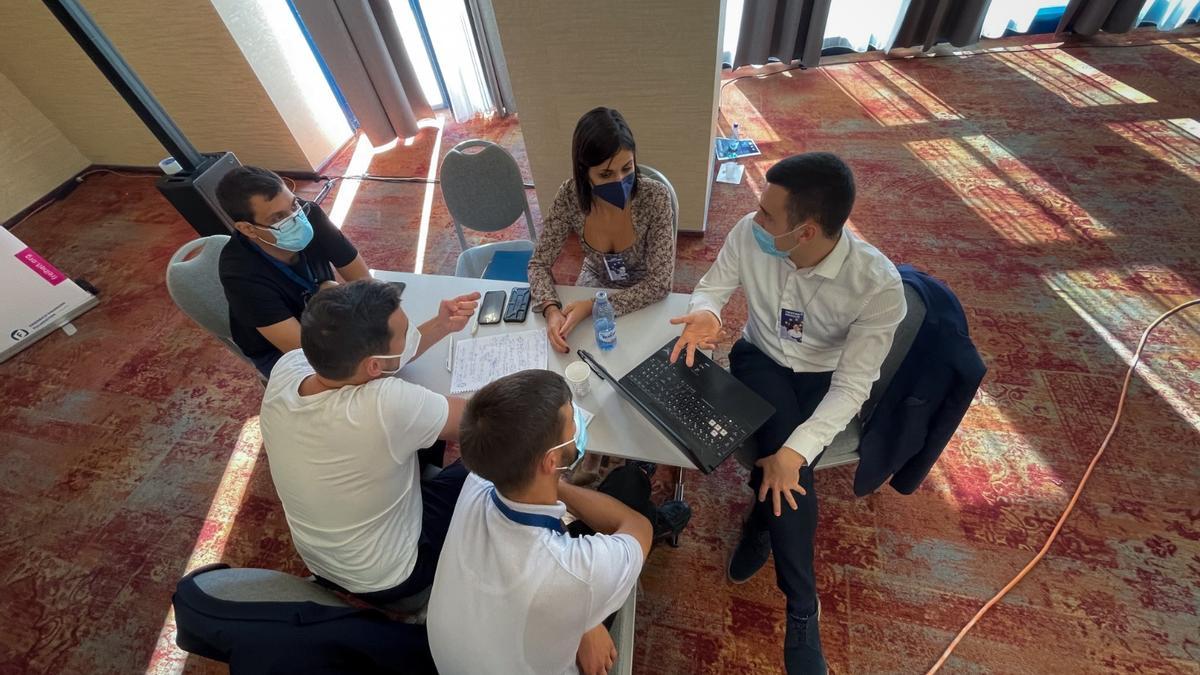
(624, 223)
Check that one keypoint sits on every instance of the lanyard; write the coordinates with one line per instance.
(814, 295)
(531, 519)
(308, 284)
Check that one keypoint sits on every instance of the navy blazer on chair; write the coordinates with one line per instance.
(926, 399)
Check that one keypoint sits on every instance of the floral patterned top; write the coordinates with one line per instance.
(647, 266)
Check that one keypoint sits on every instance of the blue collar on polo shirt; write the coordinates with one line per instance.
(545, 520)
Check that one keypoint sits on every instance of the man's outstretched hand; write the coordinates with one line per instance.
(700, 331)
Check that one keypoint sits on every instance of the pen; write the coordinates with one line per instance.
(450, 356)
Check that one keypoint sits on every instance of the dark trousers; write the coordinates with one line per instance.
(434, 455)
(795, 397)
(628, 485)
(438, 497)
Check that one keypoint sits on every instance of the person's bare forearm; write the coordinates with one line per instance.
(605, 514)
(433, 331)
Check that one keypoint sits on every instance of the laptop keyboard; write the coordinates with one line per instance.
(718, 432)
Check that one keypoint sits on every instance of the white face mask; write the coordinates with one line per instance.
(412, 339)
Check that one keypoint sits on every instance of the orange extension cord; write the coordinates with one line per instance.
(1074, 498)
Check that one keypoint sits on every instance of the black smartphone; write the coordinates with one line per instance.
(492, 306)
(518, 305)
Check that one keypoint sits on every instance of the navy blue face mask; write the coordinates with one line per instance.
(617, 192)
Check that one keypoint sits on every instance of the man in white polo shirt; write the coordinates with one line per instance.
(823, 306)
(515, 593)
(342, 436)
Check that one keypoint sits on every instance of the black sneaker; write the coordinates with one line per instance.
(671, 518)
(750, 555)
(802, 653)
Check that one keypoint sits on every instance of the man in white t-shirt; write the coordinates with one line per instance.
(515, 593)
(342, 436)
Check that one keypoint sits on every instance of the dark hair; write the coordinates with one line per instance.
(599, 135)
(342, 325)
(510, 424)
(238, 186)
(820, 186)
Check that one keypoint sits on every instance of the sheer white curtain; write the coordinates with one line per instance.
(863, 24)
(1014, 15)
(1018, 15)
(730, 26)
(860, 25)
(453, 40)
(415, 46)
(1170, 14)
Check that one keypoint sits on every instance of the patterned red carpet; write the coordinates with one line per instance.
(1056, 190)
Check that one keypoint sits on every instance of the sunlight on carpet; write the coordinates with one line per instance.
(1099, 310)
(752, 125)
(360, 162)
(1074, 81)
(1007, 194)
(427, 202)
(890, 96)
(1188, 49)
(1175, 142)
(167, 659)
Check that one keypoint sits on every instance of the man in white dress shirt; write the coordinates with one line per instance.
(823, 306)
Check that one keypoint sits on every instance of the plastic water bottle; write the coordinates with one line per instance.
(605, 321)
(729, 146)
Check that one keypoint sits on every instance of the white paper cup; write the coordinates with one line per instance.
(578, 375)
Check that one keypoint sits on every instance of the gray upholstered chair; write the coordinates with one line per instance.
(484, 191)
(655, 174)
(247, 584)
(260, 621)
(194, 283)
(622, 631)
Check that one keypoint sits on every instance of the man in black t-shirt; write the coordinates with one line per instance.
(284, 251)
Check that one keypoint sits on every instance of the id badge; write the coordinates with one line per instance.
(615, 264)
(791, 325)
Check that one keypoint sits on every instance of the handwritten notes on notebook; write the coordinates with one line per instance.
(481, 360)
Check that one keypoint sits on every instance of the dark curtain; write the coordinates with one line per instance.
(928, 22)
(783, 29)
(360, 42)
(1087, 17)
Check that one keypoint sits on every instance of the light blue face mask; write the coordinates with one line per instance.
(292, 233)
(766, 241)
(580, 440)
(616, 192)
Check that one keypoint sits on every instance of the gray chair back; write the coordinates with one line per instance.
(906, 332)
(483, 190)
(246, 584)
(473, 262)
(622, 633)
(195, 285)
(655, 174)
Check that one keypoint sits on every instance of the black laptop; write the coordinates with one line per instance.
(704, 410)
